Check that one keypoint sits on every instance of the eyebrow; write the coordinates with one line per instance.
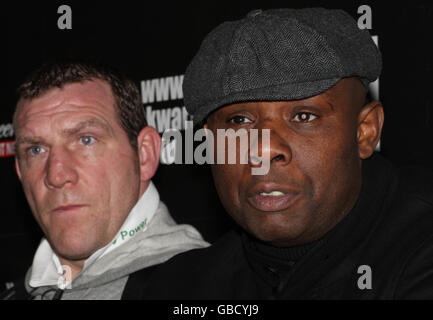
(29, 140)
(329, 98)
(88, 123)
(331, 105)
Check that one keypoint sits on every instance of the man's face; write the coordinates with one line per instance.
(314, 177)
(79, 172)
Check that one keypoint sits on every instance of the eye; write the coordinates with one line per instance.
(35, 150)
(239, 119)
(87, 140)
(304, 117)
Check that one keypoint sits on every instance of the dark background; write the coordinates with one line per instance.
(157, 39)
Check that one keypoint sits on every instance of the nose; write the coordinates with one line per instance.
(273, 144)
(60, 169)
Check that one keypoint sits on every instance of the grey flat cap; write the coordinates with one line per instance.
(278, 54)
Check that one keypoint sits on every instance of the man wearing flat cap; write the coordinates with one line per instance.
(330, 219)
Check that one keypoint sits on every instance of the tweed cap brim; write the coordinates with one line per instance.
(283, 92)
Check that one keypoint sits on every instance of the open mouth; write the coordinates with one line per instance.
(270, 197)
(275, 193)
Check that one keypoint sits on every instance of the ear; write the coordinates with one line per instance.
(17, 168)
(149, 149)
(370, 123)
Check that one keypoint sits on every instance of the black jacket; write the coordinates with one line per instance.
(389, 232)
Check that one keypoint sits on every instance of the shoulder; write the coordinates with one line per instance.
(198, 273)
(227, 248)
(14, 291)
(412, 200)
(409, 203)
(417, 183)
(403, 211)
(406, 228)
(409, 193)
(415, 279)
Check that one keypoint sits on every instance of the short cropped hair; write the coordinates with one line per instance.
(58, 73)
